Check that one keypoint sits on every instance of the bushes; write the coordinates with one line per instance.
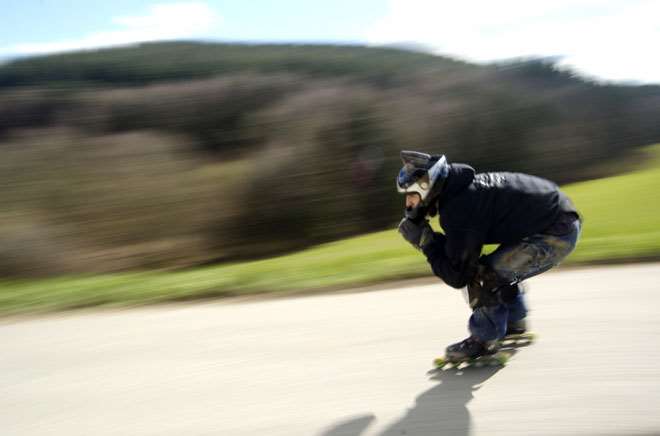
(216, 113)
(24, 108)
(301, 187)
(111, 201)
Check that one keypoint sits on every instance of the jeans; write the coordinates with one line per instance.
(515, 263)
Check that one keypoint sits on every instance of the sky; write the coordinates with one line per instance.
(609, 40)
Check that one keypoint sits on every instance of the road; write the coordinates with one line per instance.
(350, 364)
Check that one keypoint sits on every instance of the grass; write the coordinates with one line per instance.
(622, 214)
(622, 222)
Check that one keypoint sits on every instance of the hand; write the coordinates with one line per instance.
(416, 214)
(418, 234)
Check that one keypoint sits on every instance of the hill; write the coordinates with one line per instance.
(159, 62)
(171, 155)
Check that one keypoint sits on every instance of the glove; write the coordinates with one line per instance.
(418, 234)
(416, 214)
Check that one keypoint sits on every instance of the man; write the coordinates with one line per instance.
(534, 223)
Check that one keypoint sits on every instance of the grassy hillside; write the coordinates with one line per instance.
(622, 214)
(622, 222)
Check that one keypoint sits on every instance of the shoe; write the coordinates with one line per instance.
(470, 348)
(516, 327)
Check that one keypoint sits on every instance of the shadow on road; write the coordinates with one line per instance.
(352, 427)
(441, 410)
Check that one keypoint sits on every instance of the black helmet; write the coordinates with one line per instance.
(422, 173)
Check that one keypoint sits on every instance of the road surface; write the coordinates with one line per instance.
(351, 364)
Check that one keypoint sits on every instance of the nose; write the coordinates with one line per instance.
(411, 200)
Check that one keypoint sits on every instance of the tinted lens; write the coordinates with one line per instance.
(408, 176)
(404, 178)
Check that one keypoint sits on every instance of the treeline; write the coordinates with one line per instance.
(162, 62)
(173, 155)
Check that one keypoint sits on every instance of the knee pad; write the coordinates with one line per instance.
(488, 289)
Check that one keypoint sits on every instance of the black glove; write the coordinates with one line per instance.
(418, 234)
(416, 214)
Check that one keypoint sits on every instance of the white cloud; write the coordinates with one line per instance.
(609, 39)
(163, 22)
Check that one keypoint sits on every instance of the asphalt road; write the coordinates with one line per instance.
(351, 364)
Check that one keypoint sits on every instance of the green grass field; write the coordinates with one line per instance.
(622, 223)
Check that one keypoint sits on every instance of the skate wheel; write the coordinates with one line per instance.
(501, 359)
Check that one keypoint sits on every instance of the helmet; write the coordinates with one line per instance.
(423, 174)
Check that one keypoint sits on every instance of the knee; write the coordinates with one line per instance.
(501, 268)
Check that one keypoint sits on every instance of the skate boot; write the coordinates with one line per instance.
(469, 349)
(516, 328)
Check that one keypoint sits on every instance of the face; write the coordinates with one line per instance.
(412, 200)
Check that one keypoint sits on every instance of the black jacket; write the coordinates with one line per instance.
(488, 208)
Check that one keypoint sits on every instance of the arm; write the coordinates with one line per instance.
(455, 258)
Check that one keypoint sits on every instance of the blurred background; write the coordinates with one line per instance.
(168, 151)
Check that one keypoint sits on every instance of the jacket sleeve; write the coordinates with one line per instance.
(455, 258)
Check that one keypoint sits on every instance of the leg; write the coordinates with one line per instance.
(509, 265)
(532, 256)
(488, 323)
(514, 299)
